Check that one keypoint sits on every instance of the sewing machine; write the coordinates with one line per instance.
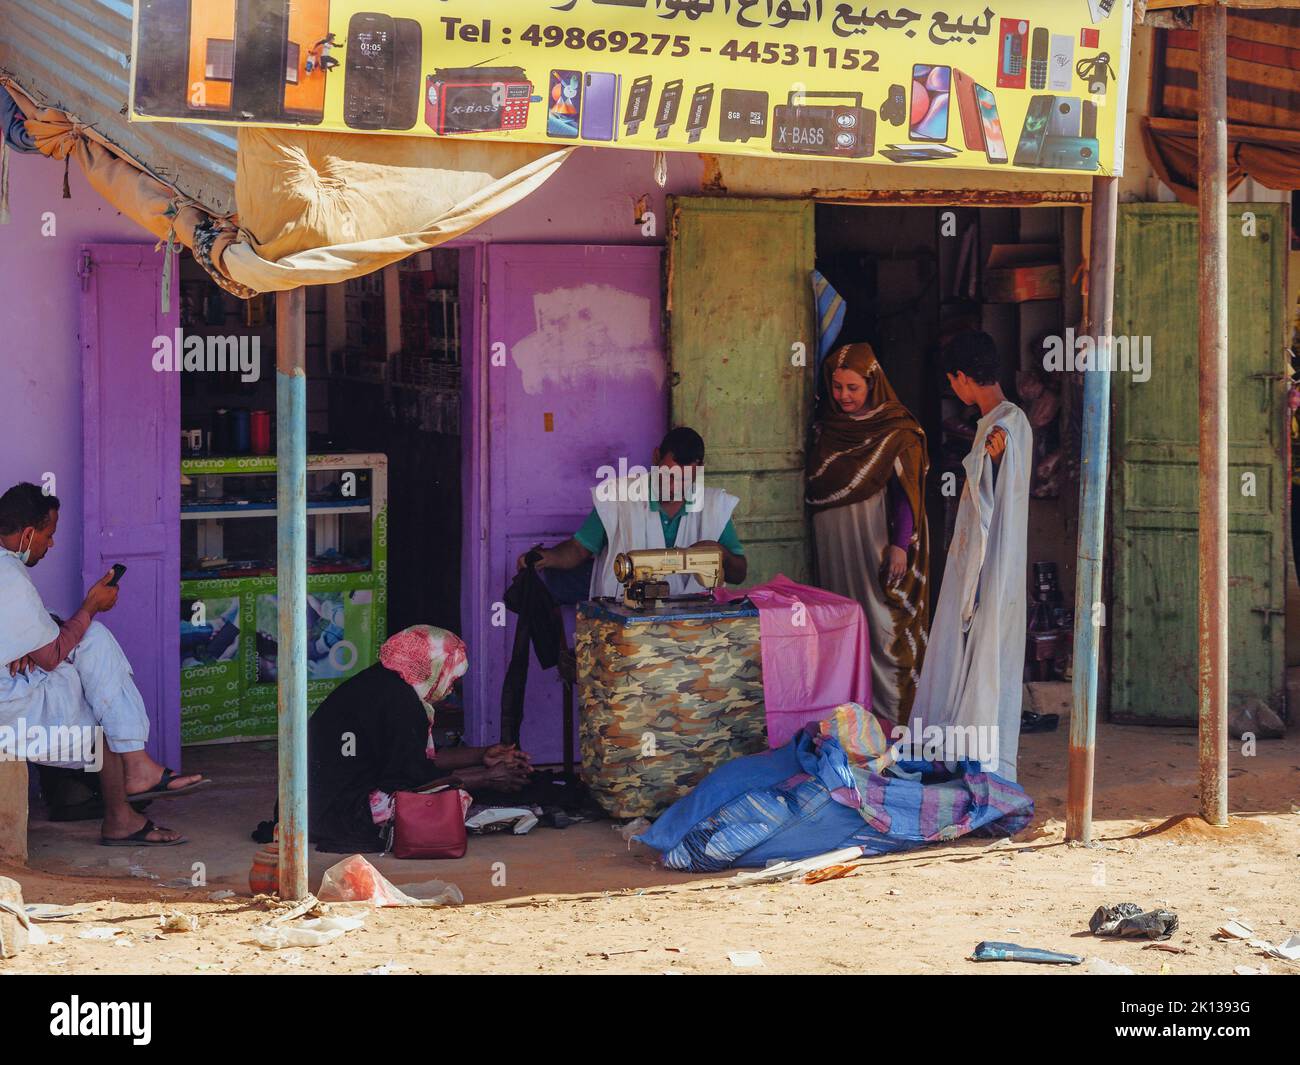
(643, 573)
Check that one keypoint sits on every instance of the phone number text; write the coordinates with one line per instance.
(679, 46)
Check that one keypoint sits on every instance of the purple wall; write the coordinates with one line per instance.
(592, 200)
(40, 362)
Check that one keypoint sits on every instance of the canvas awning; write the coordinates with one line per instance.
(315, 208)
(1263, 103)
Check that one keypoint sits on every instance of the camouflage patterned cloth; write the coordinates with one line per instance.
(663, 703)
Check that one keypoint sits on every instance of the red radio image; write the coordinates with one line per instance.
(477, 99)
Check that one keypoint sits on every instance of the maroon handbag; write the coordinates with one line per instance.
(428, 824)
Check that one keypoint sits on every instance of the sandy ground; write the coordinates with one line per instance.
(581, 901)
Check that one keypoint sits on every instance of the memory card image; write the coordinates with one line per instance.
(697, 119)
(638, 103)
(669, 102)
(744, 114)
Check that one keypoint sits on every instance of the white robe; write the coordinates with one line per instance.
(976, 653)
(91, 689)
(633, 526)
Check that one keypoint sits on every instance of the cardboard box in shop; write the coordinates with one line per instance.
(1019, 272)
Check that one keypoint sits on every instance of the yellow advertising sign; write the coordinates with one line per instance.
(987, 84)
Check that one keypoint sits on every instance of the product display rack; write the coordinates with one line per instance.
(229, 615)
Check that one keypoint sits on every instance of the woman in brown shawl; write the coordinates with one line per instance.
(866, 489)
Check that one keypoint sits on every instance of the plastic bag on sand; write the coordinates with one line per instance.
(355, 880)
(310, 933)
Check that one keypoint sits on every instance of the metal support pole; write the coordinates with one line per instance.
(1095, 461)
(1212, 606)
(291, 583)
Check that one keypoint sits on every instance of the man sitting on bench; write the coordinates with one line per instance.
(60, 678)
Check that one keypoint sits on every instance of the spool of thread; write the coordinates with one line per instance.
(239, 431)
(261, 432)
(264, 875)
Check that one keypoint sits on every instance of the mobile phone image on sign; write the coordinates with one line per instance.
(1067, 117)
(261, 59)
(1034, 131)
(306, 69)
(564, 108)
(162, 71)
(212, 56)
(368, 73)
(408, 56)
(931, 90)
(917, 153)
(963, 85)
(995, 145)
(1040, 51)
(1069, 153)
(600, 102)
(1100, 9)
(1013, 42)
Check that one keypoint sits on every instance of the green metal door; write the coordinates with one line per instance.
(741, 348)
(1154, 481)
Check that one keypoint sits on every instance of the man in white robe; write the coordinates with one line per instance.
(971, 684)
(665, 508)
(69, 681)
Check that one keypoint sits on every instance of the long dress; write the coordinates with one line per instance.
(850, 543)
(973, 670)
(369, 734)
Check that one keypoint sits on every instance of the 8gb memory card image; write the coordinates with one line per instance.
(744, 114)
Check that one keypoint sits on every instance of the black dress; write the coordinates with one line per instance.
(370, 732)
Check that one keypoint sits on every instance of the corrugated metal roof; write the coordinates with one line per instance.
(75, 54)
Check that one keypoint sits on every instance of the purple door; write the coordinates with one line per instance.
(131, 471)
(576, 379)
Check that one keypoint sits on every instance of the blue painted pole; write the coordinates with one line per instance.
(1089, 609)
(291, 584)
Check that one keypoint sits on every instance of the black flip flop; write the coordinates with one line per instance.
(161, 791)
(141, 839)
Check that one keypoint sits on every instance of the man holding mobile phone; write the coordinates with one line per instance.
(59, 675)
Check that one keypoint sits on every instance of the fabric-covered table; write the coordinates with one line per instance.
(664, 698)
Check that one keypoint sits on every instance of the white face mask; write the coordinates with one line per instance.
(23, 554)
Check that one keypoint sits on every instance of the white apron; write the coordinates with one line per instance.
(976, 654)
(633, 526)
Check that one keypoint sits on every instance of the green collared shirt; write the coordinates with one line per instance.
(592, 534)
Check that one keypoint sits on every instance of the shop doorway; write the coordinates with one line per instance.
(911, 277)
(743, 344)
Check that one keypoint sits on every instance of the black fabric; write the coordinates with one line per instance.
(370, 732)
(538, 624)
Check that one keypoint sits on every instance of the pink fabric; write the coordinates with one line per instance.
(816, 653)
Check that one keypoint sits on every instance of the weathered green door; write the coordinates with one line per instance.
(1154, 463)
(741, 350)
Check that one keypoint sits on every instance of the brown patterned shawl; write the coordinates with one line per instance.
(851, 459)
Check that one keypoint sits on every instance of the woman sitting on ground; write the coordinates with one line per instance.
(373, 737)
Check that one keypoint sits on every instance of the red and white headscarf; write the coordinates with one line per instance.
(428, 659)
